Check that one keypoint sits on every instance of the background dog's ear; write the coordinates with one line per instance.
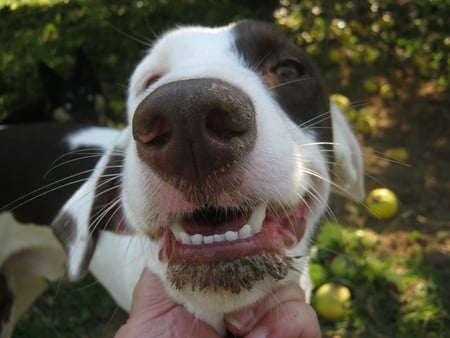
(348, 167)
(84, 71)
(53, 83)
(91, 209)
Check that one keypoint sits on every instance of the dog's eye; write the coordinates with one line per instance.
(289, 69)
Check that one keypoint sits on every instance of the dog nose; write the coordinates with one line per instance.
(192, 129)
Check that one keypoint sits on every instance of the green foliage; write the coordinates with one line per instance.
(389, 298)
(381, 37)
(115, 34)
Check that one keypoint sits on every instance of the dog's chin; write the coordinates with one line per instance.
(228, 276)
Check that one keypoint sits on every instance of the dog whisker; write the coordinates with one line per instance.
(291, 82)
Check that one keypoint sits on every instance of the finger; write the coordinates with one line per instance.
(289, 320)
(155, 314)
(241, 322)
(149, 295)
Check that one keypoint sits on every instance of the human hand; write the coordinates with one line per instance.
(283, 313)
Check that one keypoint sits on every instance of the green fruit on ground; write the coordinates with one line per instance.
(332, 301)
(318, 273)
(382, 203)
(329, 235)
(343, 266)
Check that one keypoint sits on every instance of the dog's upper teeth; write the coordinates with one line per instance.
(257, 218)
(184, 237)
(245, 232)
(178, 232)
(253, 227)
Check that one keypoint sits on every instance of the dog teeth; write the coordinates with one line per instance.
(245, 232)
(185, 238)
(197, 239)
(253, 227)
(208, 239)
(177, 230)
(257, 218)
(231, 236)
(219, 238)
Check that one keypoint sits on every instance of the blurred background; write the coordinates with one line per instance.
(387, 65)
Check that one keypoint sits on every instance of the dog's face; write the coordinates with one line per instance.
(226, 172)
(227, 164)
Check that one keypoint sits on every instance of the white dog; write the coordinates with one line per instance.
(222, 175)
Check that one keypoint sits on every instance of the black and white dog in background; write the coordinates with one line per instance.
(42, 165)
(46, 153)
(226, 167)
(219, 180)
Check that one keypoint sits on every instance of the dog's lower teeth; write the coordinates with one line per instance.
(253, 227)
(231, 236)
(208, 239)
(197, 239)
(219, 237)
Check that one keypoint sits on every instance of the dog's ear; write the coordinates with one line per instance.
(93, 207)
(348, 167)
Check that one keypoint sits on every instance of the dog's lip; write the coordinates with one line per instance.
(278, 232)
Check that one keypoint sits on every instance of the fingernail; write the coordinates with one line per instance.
(240, 320)
(261, 332)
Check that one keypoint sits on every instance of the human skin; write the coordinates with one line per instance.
(281, 314)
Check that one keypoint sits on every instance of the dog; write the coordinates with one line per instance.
(77, 99)
(42, 165)
(221, 177)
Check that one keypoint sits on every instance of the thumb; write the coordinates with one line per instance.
(149, 296)
(155, 314)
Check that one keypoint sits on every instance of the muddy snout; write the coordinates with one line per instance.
(194, 129)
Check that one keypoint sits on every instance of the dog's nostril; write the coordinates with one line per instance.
(222, 125)
(156, 133)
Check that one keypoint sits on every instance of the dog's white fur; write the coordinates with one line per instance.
(285, 164)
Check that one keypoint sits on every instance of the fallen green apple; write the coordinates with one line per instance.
(382, 203)
(332, 301)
